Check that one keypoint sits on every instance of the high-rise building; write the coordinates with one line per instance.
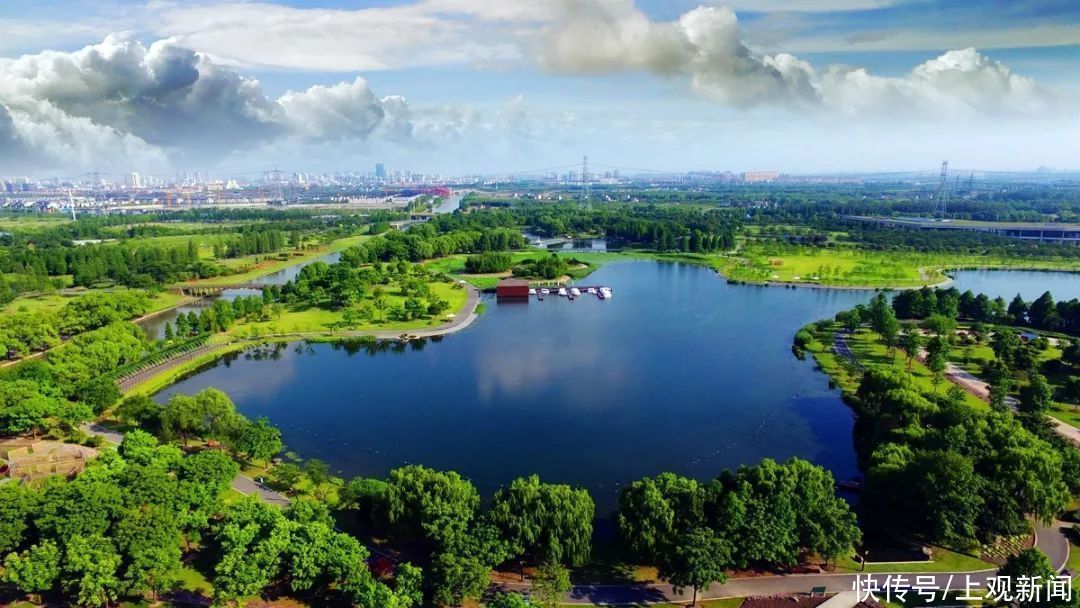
(135, 181)
(380, 171)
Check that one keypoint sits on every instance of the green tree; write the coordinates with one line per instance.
(554, 522)
(1034, 565)
(652, 511)
(937, 365)
(318, 473)
(17, 503)
(549, 584)
(1037, 397)
(911, 342)
(35, 570)
(253, 539)
(431, 505)
(456, 578)
(90, 570)
(508, 600)
(259, 440)
(696, 560)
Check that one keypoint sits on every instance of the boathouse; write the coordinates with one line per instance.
(512, 288)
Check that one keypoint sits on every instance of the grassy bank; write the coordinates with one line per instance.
(311, 319)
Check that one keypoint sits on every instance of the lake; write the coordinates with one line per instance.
(679, 372)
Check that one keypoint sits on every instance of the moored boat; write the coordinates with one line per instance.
(605, 293)
(562, 291)
(574, 291)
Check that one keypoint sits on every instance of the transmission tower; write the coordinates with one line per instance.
(584, 179)
(943, 189)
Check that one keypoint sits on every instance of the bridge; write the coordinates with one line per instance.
(214, 290)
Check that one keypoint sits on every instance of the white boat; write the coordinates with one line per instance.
(532, 291)
(605, 293)
(591, 290)
(562, 291)
(545, 291)
(574, 291)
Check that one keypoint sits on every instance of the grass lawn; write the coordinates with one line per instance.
(190, 579)
(32, 221)
(1066, 414)
(944, 561)
(870, 351)
(855, 267)
(318, 320)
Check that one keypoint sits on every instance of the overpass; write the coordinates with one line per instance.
(1027, 231)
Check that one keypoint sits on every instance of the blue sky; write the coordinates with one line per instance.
(486, 86)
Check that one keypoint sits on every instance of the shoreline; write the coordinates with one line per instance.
(460, 322)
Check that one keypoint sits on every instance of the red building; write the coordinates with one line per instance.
(512, 288)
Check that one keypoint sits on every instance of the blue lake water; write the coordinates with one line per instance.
(679, 372)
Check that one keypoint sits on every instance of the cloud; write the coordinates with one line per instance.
(807, 6)
(341, 40)
(705, 45)
(123, 103)
(121, 100)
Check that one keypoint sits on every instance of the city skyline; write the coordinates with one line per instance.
(481, 87)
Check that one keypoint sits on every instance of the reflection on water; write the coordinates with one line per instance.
(680, 372)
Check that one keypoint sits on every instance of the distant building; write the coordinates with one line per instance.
(380, 171)
(135, 181)
(759, 177)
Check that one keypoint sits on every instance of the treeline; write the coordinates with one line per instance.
(71, 385)
(766, 515)
(485, 263)
(142, 265)
(664, 228)
(425, 241)
(936, 468)
(122, 529)
(544, 267)
(1042, 313)
(222, 315)
(940, 470)
(24, 332)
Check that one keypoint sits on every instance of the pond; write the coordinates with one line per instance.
(1030, 284)
(680, 372)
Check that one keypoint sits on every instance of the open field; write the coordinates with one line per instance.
(31, 222)
(853, 267)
